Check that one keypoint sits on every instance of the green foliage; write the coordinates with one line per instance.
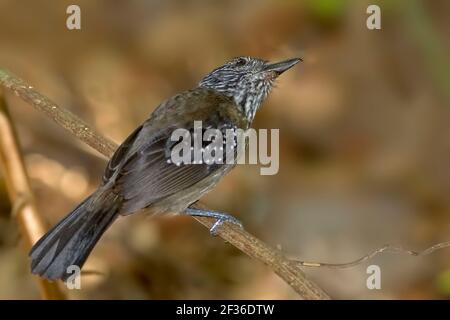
(443, 283)
(327, 11)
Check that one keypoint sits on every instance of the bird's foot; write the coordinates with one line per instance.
(219, 216)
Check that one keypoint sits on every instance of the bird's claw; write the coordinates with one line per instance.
(225, 218)
(220, 218)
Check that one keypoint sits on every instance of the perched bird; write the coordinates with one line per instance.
(140, 174)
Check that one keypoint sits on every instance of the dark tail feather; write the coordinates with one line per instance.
(73, 238)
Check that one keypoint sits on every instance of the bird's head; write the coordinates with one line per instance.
(247, 80)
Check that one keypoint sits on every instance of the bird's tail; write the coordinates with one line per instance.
(72, 239)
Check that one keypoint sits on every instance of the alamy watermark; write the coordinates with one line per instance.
(73, 281)
(374, 279)
(373, 21)
(227, 145)
(73, 21)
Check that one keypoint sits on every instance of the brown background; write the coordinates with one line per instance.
(364, 154)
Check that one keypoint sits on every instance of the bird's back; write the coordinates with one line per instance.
(141, 171)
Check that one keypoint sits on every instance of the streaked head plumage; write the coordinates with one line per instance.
(247, 80)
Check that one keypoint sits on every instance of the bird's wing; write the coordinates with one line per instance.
(119, 155)
(142, 173)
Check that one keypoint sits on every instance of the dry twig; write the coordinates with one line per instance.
(239, 238)
(23, 207)
(384, 249)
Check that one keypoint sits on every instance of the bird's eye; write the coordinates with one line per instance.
(241, 62)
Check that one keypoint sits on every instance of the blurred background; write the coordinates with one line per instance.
(364, 141)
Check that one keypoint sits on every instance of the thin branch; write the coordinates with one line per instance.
(31, 224)
(239, 238)
(388, 248)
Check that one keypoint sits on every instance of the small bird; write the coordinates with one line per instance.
(140, 174)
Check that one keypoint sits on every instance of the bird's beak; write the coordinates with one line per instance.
(280, 67)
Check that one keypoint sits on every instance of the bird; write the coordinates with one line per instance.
(140, 174)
